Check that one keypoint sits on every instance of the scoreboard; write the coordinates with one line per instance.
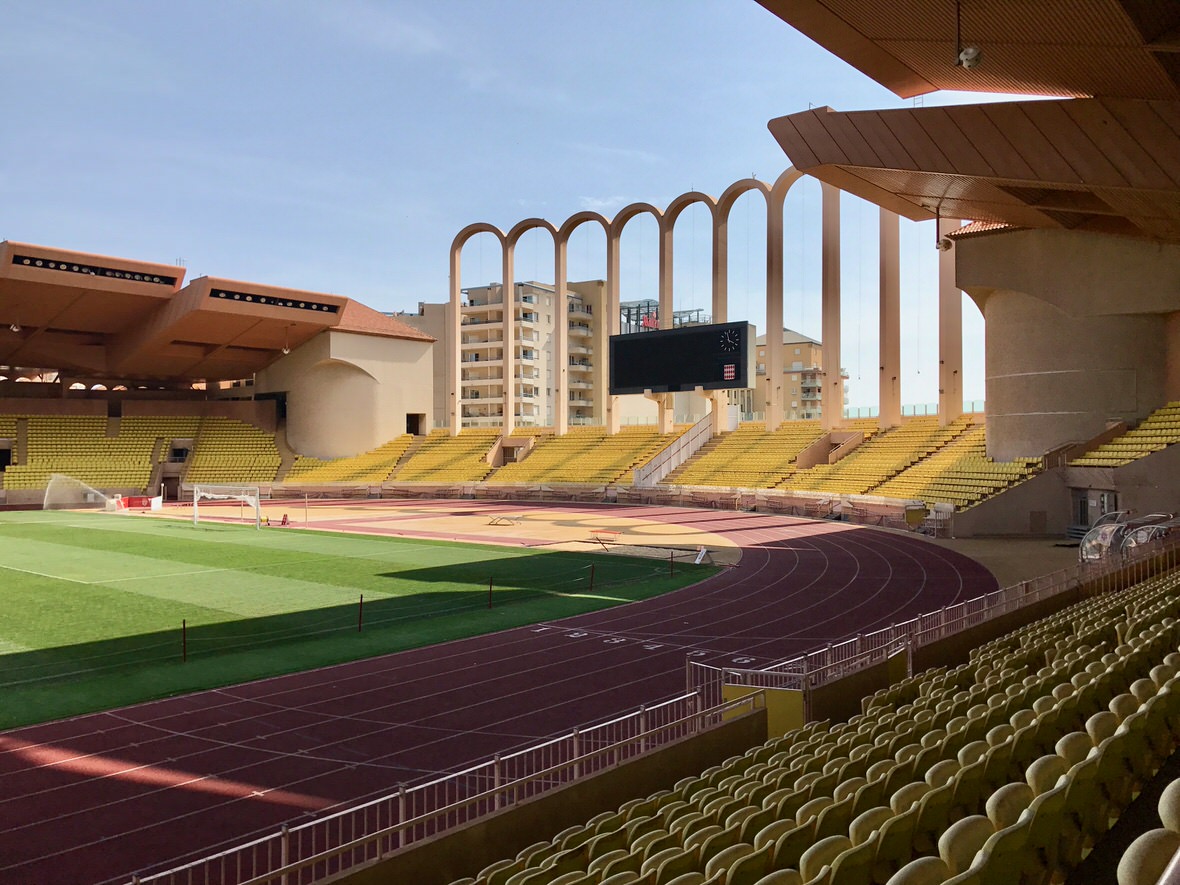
(713, 357)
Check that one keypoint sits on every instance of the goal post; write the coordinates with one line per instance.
(248, 495)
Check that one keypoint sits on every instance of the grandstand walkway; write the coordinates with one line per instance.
(100, 797)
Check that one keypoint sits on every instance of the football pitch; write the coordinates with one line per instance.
(100, 611)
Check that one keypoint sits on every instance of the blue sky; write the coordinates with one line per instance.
(339, 145)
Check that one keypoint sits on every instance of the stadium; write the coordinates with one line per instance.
(300, 592)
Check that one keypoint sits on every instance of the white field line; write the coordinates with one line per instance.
(29, 571)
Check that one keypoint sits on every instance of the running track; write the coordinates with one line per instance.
(99, 797)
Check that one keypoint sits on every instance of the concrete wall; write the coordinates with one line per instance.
(1078, 332)
(1038, 506)
(348, 393)
(433, 321)
(1148, 485)
(466, 851)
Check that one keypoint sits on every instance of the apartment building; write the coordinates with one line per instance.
(803, 370)
(537, 313)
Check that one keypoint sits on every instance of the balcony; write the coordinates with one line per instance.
(469, 341)
(481, 307)
(577, 309)
(581, 366)
(581, 349)
(482, 359)
(581, 330)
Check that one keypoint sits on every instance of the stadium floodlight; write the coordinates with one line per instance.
(248, 495)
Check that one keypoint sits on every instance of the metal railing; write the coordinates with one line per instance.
(674, 454)
(832, 662)
(338, 842)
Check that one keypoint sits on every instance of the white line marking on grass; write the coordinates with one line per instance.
(29, 571)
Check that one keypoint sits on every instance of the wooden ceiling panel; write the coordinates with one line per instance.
(1038, 47)
(1122, 149)
(1148, 126)
(1080, 164)
(944, 130)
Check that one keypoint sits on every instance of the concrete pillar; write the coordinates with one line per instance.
(665, 273)
(720, 306)
(610, 325)
(832, 399)
(561, 332)
(772, 394)
(950, 333)
(509, 335)
(889, 409)
(454, 352)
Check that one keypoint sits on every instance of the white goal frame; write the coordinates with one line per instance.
(216, 492)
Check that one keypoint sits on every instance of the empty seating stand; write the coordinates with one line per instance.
(443, 458)
(370, 468)
(1005, 769)
(1158, 430)
(586, 455)
(879, 458)
(960, 474)
(749, 457)
(231, 451)
(112, 454)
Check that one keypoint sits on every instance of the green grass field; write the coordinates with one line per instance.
(93, 604)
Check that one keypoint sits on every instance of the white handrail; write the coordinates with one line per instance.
(674, 454)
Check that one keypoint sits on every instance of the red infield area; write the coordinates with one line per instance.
(100, 797)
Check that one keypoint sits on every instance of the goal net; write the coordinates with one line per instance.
(247, 496)
(66, 493)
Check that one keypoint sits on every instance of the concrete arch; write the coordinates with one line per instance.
(522, 227)
(775, 203)
(561, 327)
(682, 202)
(721, 213)
(667, 242)
(509, 294)
(773, 193)
(455, 313)
(576, 220)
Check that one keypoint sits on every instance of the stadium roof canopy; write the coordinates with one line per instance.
(93, 316)
(1106, 161)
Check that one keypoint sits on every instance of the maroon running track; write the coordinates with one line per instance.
(100, 797)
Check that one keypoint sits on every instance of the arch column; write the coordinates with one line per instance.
(561, 332)
(610, 325)
(832, 397)
(889, 411)
(772, 395)
(508, 290)
(950, 333)
(454, 350)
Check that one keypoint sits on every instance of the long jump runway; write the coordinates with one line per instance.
(98, 798)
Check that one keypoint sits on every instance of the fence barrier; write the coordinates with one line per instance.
(837, 660)
(338, 842)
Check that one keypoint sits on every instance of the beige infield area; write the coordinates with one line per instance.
(486, 522)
